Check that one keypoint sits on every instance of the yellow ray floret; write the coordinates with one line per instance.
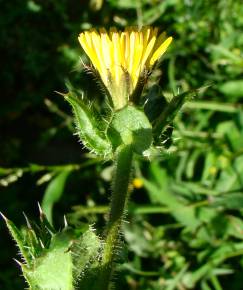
(122, 57)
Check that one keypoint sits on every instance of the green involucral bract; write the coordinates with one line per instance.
(170, 111)
(89, 128)
(130, 126)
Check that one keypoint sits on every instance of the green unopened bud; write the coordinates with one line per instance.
(130, 126)
(58, 261)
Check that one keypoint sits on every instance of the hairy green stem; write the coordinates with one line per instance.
(117, 208)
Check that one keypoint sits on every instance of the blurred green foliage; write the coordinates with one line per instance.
(185, 227)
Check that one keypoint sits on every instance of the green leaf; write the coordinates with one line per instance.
(53, 269)
(19, 239)
(231, 179)
(60, 262)
(233, 89)
(85, 252)
(86, 261)
(235, 227)
(232, 134)
(53, 193)
(62, 265)
(124, 4)
(229, 201)
(160, 192)
(155, 12)
(205, 286)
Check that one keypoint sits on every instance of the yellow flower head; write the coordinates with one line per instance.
(122, 57)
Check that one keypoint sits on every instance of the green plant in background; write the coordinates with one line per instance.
(131, 127)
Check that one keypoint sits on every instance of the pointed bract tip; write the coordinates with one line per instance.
(18, 262)
(27, 221)
(65, 222)
(41, 243)
(61, 94)
(3, 216)
(40, 209)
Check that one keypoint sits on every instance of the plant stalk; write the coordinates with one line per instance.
(118, 204)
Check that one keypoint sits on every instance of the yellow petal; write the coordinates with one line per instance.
(160, 40)
(127, 49)
(106, 49)
(137, 60)
(131, 50)
(85, 43)
(160, 51)
(121, 56)
(123, 47)
(117, 56)
(148, 51)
